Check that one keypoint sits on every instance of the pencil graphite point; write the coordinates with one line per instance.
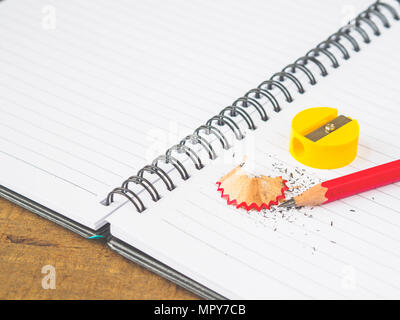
(291, 203)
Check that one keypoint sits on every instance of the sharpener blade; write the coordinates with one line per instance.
(328, 128)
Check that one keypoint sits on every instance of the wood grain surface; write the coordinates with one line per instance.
(85, 269)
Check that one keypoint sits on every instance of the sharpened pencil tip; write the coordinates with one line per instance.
(291, 203)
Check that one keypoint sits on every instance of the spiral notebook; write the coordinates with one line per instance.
(94, 94)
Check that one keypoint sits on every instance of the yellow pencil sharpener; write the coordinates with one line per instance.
(322, 139)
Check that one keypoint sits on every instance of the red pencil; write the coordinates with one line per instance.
(347, 186)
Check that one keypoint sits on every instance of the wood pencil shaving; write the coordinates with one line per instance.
(258, 192)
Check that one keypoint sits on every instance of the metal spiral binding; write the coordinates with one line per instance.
(238, 107)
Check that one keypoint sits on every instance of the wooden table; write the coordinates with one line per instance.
(85, 269)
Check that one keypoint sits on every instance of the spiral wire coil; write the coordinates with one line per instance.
(250, 99)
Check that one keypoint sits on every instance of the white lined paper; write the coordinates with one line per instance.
(84, 105)
(240, 255)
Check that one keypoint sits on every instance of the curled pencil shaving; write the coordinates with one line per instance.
(257, 193)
